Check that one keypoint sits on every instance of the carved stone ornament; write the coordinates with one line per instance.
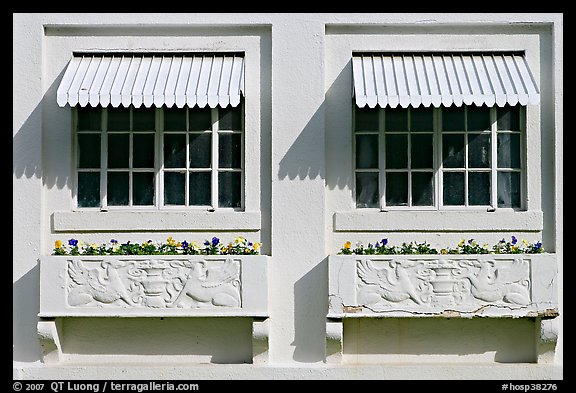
(487, 285)
(442, 282)
(153, 283)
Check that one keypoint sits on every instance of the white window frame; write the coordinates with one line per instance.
(438, 169)
(159, 170)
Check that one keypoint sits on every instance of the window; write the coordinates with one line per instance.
(159, 157)
(431, 158)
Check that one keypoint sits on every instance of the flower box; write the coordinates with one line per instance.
(153, 285)
(448, 285)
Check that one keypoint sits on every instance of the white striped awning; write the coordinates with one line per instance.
(442, 79)
(152, 80)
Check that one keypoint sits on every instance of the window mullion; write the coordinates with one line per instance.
(438, 165)
(466, 169)
(159, 132)
(104, 160)
(494, 159)
(187, 159)
(214, 171)
(409, 157)
(130, 158)
(381, 158)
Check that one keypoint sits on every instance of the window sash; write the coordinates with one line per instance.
(438, 167)
(159, 170)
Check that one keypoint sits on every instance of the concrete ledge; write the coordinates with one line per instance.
(448, 371)
(446, 221)
(155, 221)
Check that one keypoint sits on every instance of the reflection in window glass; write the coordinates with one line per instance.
(88, 189)
(200, 186)
(508, 189)
(143, 188)
(422, 188)
(396, 151)
(396, 188)
(366, 119)
(118, 188)
(453, 150)
(118, 150)
(479, 153)
(453, 188)
(119, 119)
(174, 188)
(229, 150)
(174, 150)
(367, 189)
(479, 188)
(229, 186)
(366, 151)
(88, 151)
(508, 150)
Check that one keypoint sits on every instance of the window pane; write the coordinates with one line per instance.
(118, 188)
(453, 118)
(479, 188)
(88, 150)
(397, 189)
(229, 150)
(422, 155)
(453, 188)
(230, 118)
(367, 190)
(229, 189)
(88, 189)
(174, 188)
(174, 150)
(453, 150)
(143, 119)
(478, 118)
(118, 150)
(200, 188)
(366, 151)
(200, 150)
(175, 119)
(200, 119)
(89, 119)
(397, 151)
(143, 147)
(143, 188)
(479, 150)
(396, 119)
(119, 119)
(422, 119)
(508, 189)
(366, 119)
(422, 188)
(508, 118)
(508, 150)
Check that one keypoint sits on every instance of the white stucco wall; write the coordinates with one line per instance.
(298, 199)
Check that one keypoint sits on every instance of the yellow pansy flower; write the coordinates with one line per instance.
(58, 244)
(347, 245)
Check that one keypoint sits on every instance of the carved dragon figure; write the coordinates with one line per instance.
(492, 284)
(217, 286)
(392, 284)
(92, 286)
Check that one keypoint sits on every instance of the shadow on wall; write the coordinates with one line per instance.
(335, 115)
(28, 154)
(310, 309)
(26, 294)
(204, 340)
(500, 340)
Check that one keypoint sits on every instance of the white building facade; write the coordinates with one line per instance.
(300, 132)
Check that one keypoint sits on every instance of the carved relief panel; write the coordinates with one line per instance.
(382, 283)
(154, 283)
